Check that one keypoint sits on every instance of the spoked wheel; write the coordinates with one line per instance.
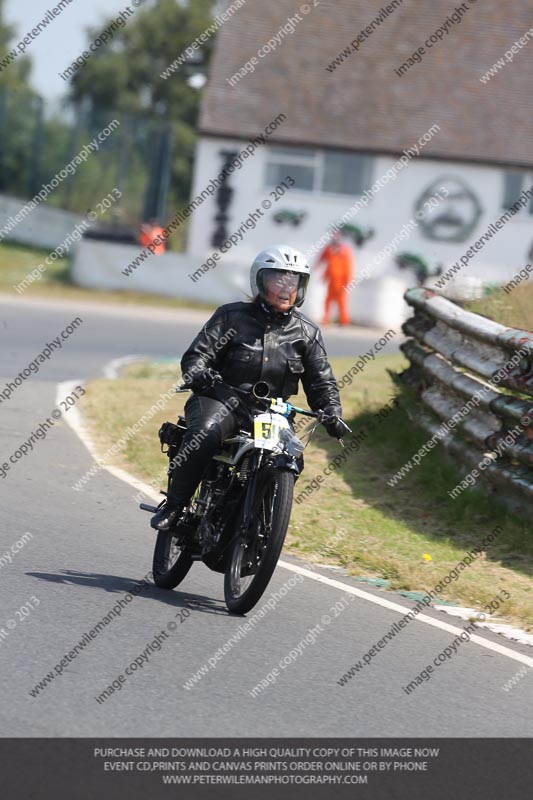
(172, 561)
(255, 553)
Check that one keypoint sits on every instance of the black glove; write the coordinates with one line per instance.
(206, 379)
(335, 426)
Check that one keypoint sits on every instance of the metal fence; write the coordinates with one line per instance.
(475, 380)
(37, 141)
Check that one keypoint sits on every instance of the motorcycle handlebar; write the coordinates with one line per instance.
(261, 391)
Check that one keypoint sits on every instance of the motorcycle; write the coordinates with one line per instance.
(237, 520)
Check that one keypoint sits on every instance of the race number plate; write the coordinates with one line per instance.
(267, 430)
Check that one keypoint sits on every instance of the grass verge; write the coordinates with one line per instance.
(513, 310)
(354, 519)
(16, 261)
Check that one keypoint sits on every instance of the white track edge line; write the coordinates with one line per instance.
(389, 604)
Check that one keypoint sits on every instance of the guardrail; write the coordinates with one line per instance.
(475, 380)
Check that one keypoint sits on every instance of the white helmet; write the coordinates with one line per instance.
(280, 257)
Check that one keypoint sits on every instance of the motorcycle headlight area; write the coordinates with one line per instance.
(292, 445)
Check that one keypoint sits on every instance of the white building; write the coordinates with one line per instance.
(345, 127)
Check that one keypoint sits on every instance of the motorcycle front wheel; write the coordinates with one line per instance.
(256, 551)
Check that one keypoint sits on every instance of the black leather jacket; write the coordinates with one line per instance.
(248, 342)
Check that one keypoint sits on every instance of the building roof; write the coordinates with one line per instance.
(363, 104)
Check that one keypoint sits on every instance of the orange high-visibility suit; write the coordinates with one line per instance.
(338, 273)
(147, 236)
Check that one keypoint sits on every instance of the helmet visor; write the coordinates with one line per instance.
(275, 280)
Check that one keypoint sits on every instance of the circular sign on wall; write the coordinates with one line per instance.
(454, 216)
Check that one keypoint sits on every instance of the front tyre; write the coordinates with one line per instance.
(171, 561)
(256, 551)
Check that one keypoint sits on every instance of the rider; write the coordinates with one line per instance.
(267, 339)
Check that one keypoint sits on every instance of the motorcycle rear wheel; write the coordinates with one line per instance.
(171, 561)
(255, 553)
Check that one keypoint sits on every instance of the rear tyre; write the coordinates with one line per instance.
(171, 561)
(255, 553)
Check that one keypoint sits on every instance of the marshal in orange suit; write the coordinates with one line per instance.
(149, 233)
(339, 271)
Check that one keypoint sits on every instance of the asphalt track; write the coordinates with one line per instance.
(89, 548)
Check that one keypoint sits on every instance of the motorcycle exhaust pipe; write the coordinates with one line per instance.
(261, 390)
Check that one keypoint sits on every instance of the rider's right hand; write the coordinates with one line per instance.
(204, 380)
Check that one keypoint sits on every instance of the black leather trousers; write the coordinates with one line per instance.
(209, 422)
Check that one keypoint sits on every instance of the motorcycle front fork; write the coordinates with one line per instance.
(250, 492)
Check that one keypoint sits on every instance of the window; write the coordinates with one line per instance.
(301, 165)
(514, 184)
(346, 173)
(301, 174)
(319, 171)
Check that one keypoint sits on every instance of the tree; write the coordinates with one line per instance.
(13, 75)
(20, 112)
(125, 76)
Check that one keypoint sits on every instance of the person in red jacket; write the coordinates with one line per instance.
(338, 273)
(149, 233)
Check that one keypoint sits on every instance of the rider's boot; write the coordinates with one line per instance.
(167, 516)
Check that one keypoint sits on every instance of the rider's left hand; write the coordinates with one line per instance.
(335, 426)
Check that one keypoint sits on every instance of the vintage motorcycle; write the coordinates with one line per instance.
(237, 520)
